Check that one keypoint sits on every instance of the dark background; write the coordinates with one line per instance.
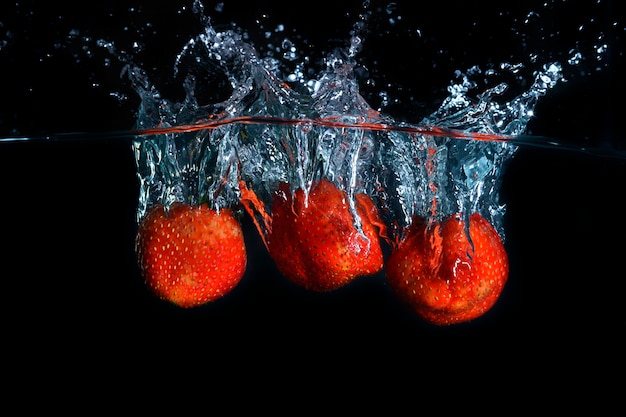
(74, 303)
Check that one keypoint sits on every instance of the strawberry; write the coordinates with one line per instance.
(443, 277)
(315, 243)
(191, 255)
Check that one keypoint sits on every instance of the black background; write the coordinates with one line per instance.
(75, 306)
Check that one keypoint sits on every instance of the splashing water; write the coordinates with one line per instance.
(242, 116)
(292, 129)
(278, 118)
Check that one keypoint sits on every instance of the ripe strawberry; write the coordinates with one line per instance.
(192, 255)
(442, 276)
(316, 244)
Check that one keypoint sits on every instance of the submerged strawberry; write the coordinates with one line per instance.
(315, 244)
(191, 255)
(443, 277)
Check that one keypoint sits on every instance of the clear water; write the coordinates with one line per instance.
(328, 130)
(76, 304)
(264, 111)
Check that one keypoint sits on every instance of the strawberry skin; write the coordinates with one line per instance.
(436, 272)
(191, 255)
(316, 244)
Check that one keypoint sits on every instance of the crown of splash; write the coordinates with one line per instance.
(407, 173)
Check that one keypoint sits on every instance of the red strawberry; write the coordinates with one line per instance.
(192, 255)
(316, 244)
(438, 274)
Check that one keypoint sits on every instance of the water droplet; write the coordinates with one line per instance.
(575, 58)
(532, 17)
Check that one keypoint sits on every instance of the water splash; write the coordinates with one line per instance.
(408, 169)
(267, 113)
